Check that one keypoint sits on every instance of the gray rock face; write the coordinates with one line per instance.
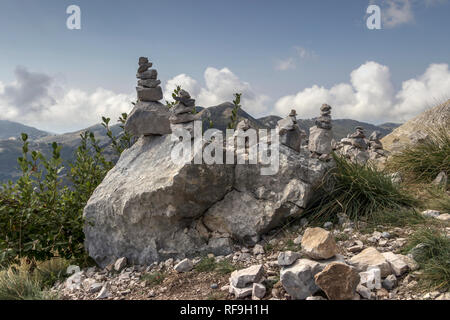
(298, 279)
(148, 118)
(287, 258)
(320, 140)
(291, 135)
(149, 94)
(258, 203)
(243, 278)
(146, 206)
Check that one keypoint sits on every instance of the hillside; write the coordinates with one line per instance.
(10, 129)
(415, 129)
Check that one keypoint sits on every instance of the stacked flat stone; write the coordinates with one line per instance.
(182, 113)
(357, 148)
(324, 121)
(148, 88)
(320, 135)
(291, 135)
(148, 117)
(358, 139)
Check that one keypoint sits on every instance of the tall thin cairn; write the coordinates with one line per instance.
(320, 135)
(148, 117)
(291, 135)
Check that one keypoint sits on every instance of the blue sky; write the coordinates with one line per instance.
(318, 43)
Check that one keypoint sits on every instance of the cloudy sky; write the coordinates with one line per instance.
(279, 54)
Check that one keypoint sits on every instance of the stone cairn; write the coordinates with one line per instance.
(148, 88)
(148, 117)
(357, 148)
(291, 135)
(321, 135)
(183, 115)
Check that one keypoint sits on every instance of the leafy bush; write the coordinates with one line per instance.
(41, 213)
(423, 161)
(433, 257)
(357, 190)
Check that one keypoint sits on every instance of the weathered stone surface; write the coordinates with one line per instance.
(146, 207)
(298, 279)
(390, 282)
(184, 265)
(149, 83)
(431, 213)
(287, 258)
(370, 257)
(260, 202)
(242, 278)
(120, 264)
(149, 74)
(259, 291)
(364, 292)
(397, 264)
(412, 264)
(444, 217)
(371, 278)
(338, 281)
(441, 179)
(149, 94)
(241, 293)
(320, 140)
(318, 243)
(183, 118)
(148, 118)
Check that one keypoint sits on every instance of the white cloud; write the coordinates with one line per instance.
(35, 99)
(286, 64)
(220, 85)
(370, 95)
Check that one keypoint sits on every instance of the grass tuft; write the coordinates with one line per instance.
(208, 264)
(360, 191)
(433, 258)
(154, 278)
(423, 161)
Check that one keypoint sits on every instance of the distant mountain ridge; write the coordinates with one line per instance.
(11, 129)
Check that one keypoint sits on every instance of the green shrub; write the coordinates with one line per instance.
(206, 265)
(357, 190)
(433, 258)
(41, 213)
(423, 161)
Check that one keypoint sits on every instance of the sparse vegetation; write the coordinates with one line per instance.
(30, 280)
(360, 191)
(433, 257)
(423, 161)
(209, 264)
(41, 213)
(154, 278)
(234, 118)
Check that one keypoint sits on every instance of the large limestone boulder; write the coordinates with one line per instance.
(147, 206)
(259, 203)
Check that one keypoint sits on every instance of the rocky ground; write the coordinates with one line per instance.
(300, 262)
